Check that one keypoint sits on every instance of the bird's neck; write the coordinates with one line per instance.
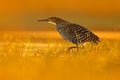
(62, 24)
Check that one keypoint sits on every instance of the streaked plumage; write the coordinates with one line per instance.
(74, 33)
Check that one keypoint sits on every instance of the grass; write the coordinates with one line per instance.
(32, 56)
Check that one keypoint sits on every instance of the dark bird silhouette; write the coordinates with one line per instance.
(74, 33)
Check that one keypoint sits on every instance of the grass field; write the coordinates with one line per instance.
(44, 56)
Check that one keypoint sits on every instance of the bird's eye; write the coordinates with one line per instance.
(49, 19)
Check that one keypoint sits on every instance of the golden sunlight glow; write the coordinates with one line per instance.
(30, 50)
(60, 5)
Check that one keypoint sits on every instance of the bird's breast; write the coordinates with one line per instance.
(66, 33)
(63, 32)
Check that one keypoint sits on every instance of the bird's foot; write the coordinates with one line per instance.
(81, 47)
(72, 48)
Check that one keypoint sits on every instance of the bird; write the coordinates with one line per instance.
(72, 32)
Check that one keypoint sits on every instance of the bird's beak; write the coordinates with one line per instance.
(43, 20)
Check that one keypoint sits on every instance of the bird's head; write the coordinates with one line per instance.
(52, 20)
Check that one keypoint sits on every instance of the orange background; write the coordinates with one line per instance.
(21, 14)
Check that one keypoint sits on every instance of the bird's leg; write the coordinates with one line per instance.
(73, 47)
(82, 46)
(77, 47)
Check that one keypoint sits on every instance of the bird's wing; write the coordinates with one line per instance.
(84, 35)
(81, 33)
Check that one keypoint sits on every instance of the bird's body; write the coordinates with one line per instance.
(74, 33)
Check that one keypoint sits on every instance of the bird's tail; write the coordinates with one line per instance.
(95, 39)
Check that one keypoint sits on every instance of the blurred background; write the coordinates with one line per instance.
(93, 14)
